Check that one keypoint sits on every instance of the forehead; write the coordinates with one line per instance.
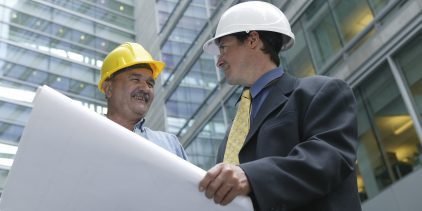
(226, 39)
(136, 71)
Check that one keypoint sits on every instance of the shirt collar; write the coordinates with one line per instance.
(140, 125)
(264, 80)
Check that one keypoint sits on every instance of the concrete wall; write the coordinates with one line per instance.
(405, 195)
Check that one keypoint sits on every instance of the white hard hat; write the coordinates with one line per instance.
(251, 16)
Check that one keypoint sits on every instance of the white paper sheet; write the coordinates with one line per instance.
(73, 159)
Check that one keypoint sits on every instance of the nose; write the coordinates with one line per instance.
(142, 84)
(219, 61)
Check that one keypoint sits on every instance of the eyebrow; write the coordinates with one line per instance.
(150, 78)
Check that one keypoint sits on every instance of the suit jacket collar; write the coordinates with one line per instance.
(279, 92)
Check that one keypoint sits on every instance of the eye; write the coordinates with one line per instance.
(135, 79)
(150, 84)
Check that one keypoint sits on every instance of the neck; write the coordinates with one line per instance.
(259, 70)
(125, 122)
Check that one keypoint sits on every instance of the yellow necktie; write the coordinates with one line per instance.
(239, 129)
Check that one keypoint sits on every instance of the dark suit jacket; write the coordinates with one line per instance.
(301, 149)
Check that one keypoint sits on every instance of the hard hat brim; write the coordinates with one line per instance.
(211, 47)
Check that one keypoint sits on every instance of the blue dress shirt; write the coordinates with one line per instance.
(259, 92)
(165, 140)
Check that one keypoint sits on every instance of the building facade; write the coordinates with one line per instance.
(374, 45)
(56, 43)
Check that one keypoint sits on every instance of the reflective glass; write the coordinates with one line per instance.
(388, 140)
(164, 9)
(72, 70)
(231, 104)
(79, 23)
(203, 149)
(409, 59)
(32, 8)
(298, 61)
(40, 77)
(352, 16)
(319, 26)
(14, 112)
(378, 5)
(124, 7)
(10, 133)
(20, 55)
(193, 92)
(115, 19)
(183, 35)
(3, 177)
(112, 34)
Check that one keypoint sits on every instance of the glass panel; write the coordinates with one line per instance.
(164, 9)
(231, 104)
(203, 149)
(409, 59)
(79, 23)
(353, 16)
(38, 77)
(122, 7)
(10, 133)
(13, 112)
(115, 19)
(377, 5)
(182, 104)
(323, 38)
(33, 8)
(72, 70)
(114, 35)
(23, 56)
(181, 38)
(3, 176)
(389, 142)
(99, 13)
(297, 60)
(192, 92)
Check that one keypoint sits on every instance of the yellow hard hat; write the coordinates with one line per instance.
(126, 55)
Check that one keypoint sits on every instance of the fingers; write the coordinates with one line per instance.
(221, 193)
(224, 182)
(209, 177)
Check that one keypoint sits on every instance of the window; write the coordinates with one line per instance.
(389, 145)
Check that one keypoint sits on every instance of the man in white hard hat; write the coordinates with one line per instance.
(127, 79)
(295, 147)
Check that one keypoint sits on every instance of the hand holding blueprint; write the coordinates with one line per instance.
(73, 159)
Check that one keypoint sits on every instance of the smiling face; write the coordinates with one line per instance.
(130, 93)
(234, 60)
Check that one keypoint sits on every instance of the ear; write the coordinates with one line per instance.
(253, 39)
(107, 87)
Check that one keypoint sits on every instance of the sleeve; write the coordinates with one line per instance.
(320, 162)
(178, 148)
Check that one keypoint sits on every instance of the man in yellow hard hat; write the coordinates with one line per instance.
(128, 77)
(295, 146)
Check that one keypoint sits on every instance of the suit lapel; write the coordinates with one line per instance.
(279, 92)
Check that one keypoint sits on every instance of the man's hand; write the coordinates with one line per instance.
(224, 182)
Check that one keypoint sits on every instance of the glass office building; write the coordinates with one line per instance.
(56, 43)
(374, 45)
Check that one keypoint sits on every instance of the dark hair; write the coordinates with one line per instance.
(142, 65)
(272, 41)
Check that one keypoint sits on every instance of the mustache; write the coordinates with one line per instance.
(141, 94)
